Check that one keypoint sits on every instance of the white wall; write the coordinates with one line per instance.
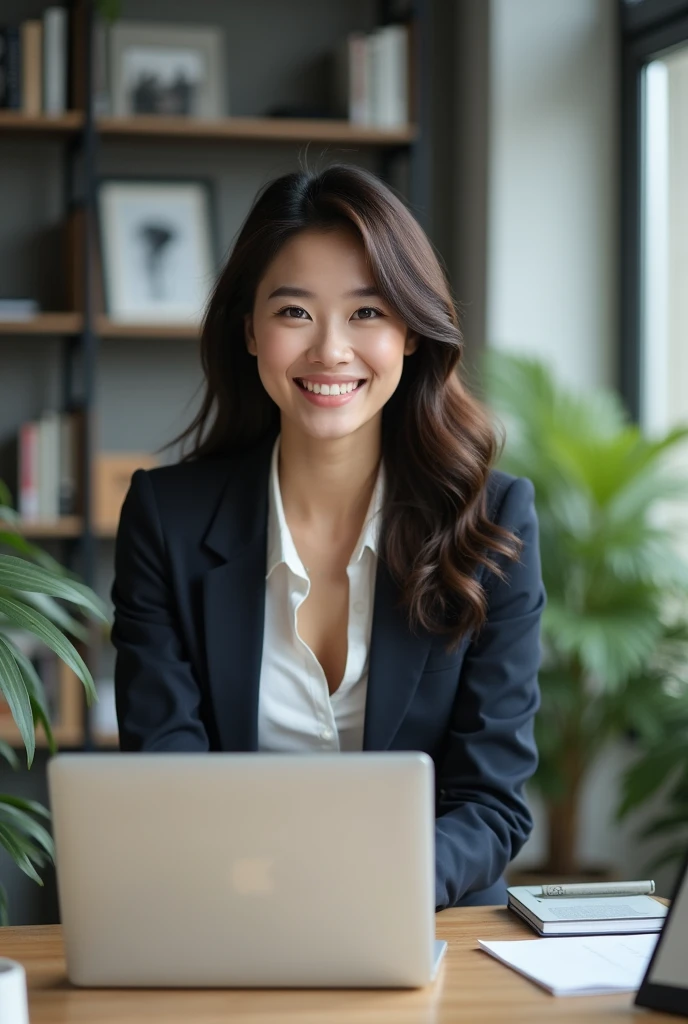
(552, 218)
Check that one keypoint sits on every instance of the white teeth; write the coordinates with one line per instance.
(330, 389)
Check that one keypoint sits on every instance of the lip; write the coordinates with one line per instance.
(329, 401)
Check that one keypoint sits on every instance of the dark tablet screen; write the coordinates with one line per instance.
(665, 985)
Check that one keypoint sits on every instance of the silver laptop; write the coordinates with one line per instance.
(246, 870)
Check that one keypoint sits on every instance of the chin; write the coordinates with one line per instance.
(331, 431)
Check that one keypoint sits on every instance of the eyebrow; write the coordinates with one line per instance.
(302, 293)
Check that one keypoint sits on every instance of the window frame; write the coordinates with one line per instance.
(648, 29)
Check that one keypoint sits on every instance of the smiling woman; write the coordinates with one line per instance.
(335, 564)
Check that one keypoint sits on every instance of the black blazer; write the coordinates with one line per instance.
(189, 596)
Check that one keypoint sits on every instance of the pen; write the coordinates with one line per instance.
(645, 888)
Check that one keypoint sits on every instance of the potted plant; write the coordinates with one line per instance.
(663, 765)
(32, 587)
(612, 575)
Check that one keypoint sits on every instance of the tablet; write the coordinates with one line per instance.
(665, 985)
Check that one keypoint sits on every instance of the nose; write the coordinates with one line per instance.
(329, 347)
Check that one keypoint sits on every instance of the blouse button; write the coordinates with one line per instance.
(326, 734)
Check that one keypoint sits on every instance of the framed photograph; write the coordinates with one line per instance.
(177, 70)
(156, 243)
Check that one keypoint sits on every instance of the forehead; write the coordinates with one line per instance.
(319, 255)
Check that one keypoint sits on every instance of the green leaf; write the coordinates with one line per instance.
(17, 850)
(33, 552)
(4, 919)
(34, 685)
(10, 756)
(30, 806)
(20, 615)
(18, 574)
(58, 615)
(14, 688)
(21, 820)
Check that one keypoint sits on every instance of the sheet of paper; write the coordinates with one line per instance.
(585, 965)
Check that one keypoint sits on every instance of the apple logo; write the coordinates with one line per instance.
(252, 876)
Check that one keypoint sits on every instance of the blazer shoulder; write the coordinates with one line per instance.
(519, 489)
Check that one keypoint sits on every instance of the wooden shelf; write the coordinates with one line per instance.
(36, 124)
(107, 740)
(45, 323)
(265, 129)
(65, 736)
(107, 328)
(65, 526)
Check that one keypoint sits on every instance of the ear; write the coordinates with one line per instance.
(411, 343)
(249, 336)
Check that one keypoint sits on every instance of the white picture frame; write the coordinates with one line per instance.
(167, 69)
(157, 249)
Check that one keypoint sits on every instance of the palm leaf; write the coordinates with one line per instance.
(17, 696)
(9, 755)
(21, 615)
(18, 574)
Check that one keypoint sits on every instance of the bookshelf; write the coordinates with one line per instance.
(261, 129)
(59, 324)
(101, 362)
(16, 122)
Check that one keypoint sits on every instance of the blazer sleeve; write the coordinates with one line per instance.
(156, 694)
(482, 818)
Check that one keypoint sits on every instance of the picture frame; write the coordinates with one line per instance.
(157, 249)
(167, 70)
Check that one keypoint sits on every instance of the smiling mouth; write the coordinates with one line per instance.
(344, 388)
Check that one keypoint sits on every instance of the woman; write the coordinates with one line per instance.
(334, 565)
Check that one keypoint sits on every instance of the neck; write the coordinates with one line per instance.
(327, 485)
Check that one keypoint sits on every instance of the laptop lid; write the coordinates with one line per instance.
(665, 985)
(245, 869)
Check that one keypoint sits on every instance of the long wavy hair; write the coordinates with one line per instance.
(438, 442)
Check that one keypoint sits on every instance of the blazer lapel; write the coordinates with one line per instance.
(234, 601)
(397, 657)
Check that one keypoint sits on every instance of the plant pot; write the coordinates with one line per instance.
(541, 875)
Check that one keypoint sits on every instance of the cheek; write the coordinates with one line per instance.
(386, 353)
(276, 350)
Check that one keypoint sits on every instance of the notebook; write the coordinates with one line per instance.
(585, 915)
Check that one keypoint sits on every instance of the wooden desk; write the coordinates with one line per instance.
(472, 987)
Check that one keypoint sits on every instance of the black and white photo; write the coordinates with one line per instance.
(173, 70)
(157, 249)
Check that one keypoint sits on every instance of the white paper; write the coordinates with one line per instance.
(582, 966)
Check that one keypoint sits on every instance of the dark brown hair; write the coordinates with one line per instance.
(438, 443)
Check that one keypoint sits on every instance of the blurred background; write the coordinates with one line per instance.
(543, 146)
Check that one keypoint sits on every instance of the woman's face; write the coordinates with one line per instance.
(330, 350)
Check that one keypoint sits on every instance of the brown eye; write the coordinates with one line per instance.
(298, 310)
(368, 310)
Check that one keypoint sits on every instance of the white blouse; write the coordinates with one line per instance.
(295, 709)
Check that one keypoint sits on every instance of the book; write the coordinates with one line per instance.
(603, 914)
(31, 33)
(48, 465)
(55, 60)
(28, 471)
(18, 309)
(10, 67)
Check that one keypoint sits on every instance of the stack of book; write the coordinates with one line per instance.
(48, 460)
(33, 64)
(372, 77)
